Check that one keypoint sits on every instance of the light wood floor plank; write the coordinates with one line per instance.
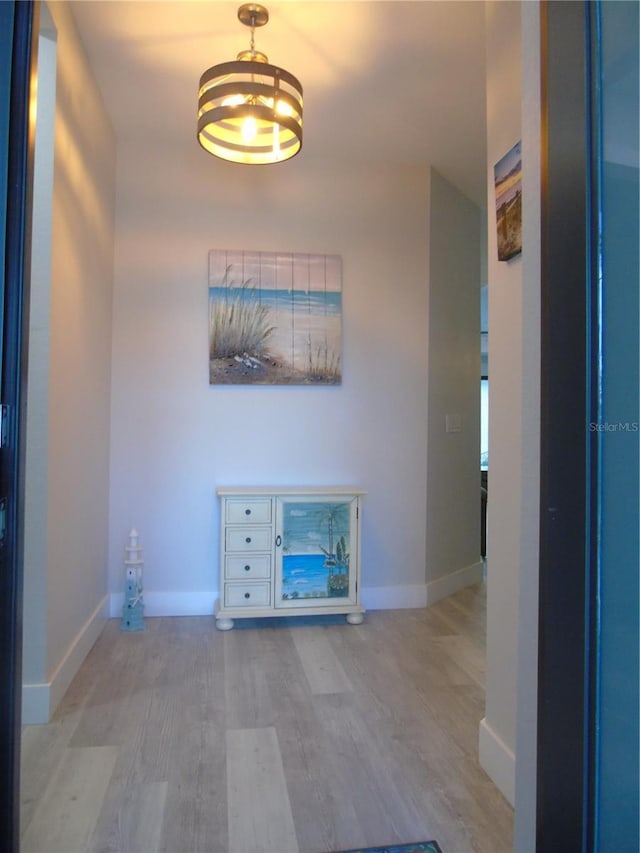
(357, 764)
(196, 811)
(260, 819)
(138, 827)
(41, 752)
(464, 655)
(325, 819)
(246, 674)
(322, 668)
(65, 818)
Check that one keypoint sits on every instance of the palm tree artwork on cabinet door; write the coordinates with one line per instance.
(316, 558)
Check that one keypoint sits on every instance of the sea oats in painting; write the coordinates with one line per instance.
(275, 318)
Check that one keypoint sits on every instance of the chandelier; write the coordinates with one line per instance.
(250, 111)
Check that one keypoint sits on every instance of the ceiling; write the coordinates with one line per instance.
(383, 81)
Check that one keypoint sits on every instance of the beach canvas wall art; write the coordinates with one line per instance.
(508, 186)
(275, 318)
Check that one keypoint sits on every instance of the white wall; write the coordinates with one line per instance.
(506, 484)
(453, 457)
(175, 438)
(71, 428)
(34, 656)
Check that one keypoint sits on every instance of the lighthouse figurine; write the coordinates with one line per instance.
(133, 607)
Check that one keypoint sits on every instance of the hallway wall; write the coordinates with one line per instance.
(453, 443)
(69, 399)
(509, 483)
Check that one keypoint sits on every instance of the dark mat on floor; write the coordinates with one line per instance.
(418, 847)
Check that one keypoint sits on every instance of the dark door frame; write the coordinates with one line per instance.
(22, 18)
(569, 465)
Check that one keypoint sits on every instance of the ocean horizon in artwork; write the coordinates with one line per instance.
(307, 576)
(297, 301)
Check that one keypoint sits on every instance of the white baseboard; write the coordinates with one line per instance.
(449, 584)
(36, 702)
(39, 701)
(169, 603)
(373, 598)
(497, 760)
(202, 603)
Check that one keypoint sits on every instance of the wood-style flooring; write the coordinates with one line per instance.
(291, 735)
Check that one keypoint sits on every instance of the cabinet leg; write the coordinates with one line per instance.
(355, 618)
(223, 623)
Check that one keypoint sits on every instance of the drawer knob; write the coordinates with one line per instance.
(247, 568)
(247, 512)
(248, 539)
(247, 595)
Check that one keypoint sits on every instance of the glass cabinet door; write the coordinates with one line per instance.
(316, 551)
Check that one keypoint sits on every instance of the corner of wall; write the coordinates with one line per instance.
(453, 414)
(510, 487)
(497, 760)
(39, 701)
(453, 582)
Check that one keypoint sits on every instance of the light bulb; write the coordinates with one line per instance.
(233, 101)
(284, 109)
(249, 129)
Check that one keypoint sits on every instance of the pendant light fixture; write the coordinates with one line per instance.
(248, 110)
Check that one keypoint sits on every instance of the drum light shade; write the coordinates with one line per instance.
(250, 111)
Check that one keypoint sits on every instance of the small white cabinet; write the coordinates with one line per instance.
(288, 552)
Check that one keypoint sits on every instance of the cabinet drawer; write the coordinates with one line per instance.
(248, 568)
(247, 594)
(248, 511)
(248, 539)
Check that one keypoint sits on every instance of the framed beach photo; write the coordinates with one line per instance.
(275, 318)
(508, 186)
